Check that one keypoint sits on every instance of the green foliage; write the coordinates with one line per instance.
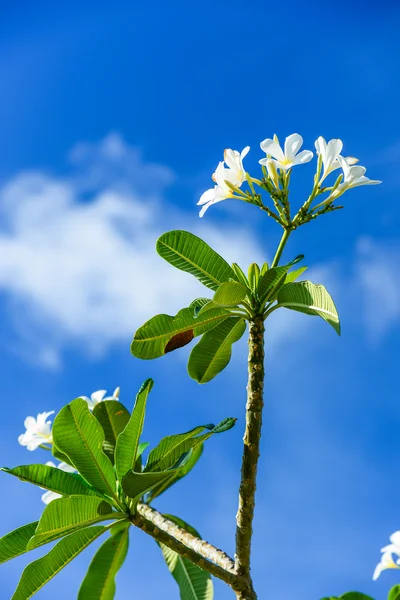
(50, 478)
(189, 253)
(271, 282)
(293, 275)
(394, 593)
(167, 453)
(128, 439)
(213, 352)
(39, 572)
(64, 515)
(79, 435)
(164, 333)
(229, 294)
(240, 276)
(193, 582)
(14, 543)
(253, 276)
(311, 299)
(99, 583)
(190, 462)
(355, 596)
(113, 417)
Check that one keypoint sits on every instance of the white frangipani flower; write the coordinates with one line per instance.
(100, 396)
(38, 431)
(48, 496)
(234, 174)
(386, 562)
(329, 153)
(290, 156)
(394, 546)
(353, 177)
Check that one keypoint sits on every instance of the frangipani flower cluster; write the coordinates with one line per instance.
(387, 561)
(278, 163)
(38, 431)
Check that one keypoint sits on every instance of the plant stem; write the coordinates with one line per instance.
(251, 452)
(281, 246)
(198, 551)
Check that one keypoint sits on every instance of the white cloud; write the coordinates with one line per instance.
(84, 270)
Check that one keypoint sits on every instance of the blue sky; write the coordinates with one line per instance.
(112, 119)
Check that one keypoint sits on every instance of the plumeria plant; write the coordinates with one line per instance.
(102, 476)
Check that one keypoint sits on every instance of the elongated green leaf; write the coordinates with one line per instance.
(14, 543)
(213, 352)
(170, 449)
(64, 515)
(99, 583)
(39, 572)
(50, 478)
(128, 440)
(264, 268)
(136, 485)
(271, 281)
(394, 593)
(113, 417)
(293, 275)
(311, 299)
(160, 488)
(240, 276)
(164, 333)
(230, 293)
(79, 435)
(193, 582)
(253, 276)
(189, 253)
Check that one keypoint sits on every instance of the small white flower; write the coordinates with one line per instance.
(234, 174)
(394, 546)
(272, 172)
(290, 156)
(48, 496)
(38, 431)
(353, 177)
(99, 396)
(329, 153)
(386, 562)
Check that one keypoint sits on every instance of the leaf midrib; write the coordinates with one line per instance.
(310, 307)
(176, 331)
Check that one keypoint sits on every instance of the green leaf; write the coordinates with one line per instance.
(193, 582)
(230, 293)
(136, 485)
(213, 352)
(311, 299)
(164, 333)
(39, 572)
(264, 268)
(14, 543)
(64, 515)
(355, 596)
(79, 435)
(113, 417)
(189, 253)
(128, 440)
(50, 478)
(240, 276)
(270, 282)
(293, 275)
(192, 459)
(99, 583)
(167, 453)
(253, 275)
(394, 593)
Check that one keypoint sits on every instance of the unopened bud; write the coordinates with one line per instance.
(273, 172)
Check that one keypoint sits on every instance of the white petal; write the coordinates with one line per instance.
(244, 152)
(293, 143)
(98, 396)
(48, 497)
(320, 146)
(352, 160)
(232, 158)
(30, 423)
(364, 181)
(395, 538)
(303, 157)
(50, 464)
(205, 207)
(208, 196)
(66, 468)
(272, 148)
(333, 150)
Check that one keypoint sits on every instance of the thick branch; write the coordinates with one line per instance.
(198, 551)
(251, 452)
